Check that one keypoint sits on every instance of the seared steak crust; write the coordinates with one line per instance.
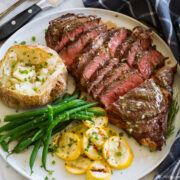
(120, 69)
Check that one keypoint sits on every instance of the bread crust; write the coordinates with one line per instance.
(56, 86)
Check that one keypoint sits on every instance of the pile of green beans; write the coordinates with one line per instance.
(36, 127)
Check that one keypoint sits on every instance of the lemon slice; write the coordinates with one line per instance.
(98, 170)
(69, 146)
(111, 132)
(93, 141)
(79, 165)
(99, 121)
(117, 152)
(79, 130)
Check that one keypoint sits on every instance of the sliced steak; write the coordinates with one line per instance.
(108, 79)
(142, 111)
(88, 53)
(108, 50)
(67, 28)
(120, 87)
(69, 53)
(143, 42)
(148, 61)
(118, 37)
(99, 75)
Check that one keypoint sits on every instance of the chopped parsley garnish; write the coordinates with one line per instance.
(25, 79)
(33, 38)
(88, 146)
(35, 89)
(33, 51)
(23, 71)
(13, 64)
(51, 54)
(53, 162)
(15, 42)
(45, 63)
(46, 178)
(118, 153)
(12, 50)
(43, 80)
(39, 66)
(21, 60)
(23, 42)
(24, 53)
(139, 54)
(121, 134)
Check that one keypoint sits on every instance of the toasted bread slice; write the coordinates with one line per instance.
(31, 75)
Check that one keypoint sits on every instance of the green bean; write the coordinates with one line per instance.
(14, 124)
(37, 134)
(60, 99)
(56, 108)
(65, 116)
(48, 137)
(27, 126)
(80, 117)
(24, 144)
(96, 112)
(86, 113)
(34, 154)
(4, 146)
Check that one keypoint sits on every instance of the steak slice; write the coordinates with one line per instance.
(142, 111)
(149, 61)
(108, 50)
(88, 53)
(100, 74)
(108, 79)
(98, 61)
(120, 87)
(143, 42)
(69, 53)
(67, 28)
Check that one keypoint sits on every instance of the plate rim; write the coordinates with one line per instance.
(19, 170)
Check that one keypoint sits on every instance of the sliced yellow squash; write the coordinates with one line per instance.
(98, 170)
(69, 146)
(111, 132)
(93, 140)
(117, 152)
(99, 121)
(79, 130)
(79, 165)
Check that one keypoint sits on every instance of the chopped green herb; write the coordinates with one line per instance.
(118, 153)
(51, 54)
(35, 89)
(88, 146)
(33, 38)
(23, 42)
(12, 88)
(39, 66)
(33, 51)
(121, 134)
(25, 79)
(13, 64)
(37, 78)
(12, 50)
(21, 60)
(23, 71)
(24, 53)
(46, 178)
(173, 110)
(43, 80)
(15, 42)
(53, 162)
(45, 63)
(50, 172)
(139, 54)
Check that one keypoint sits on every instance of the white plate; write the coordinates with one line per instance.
(144, 160)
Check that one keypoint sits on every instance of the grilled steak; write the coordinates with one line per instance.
(120, 68)
(142, 111)
(66, 28)
(69, 53)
